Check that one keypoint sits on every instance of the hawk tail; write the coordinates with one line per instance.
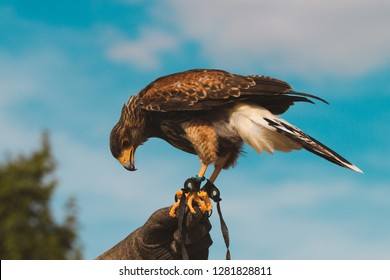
(309, 143)
(264, 131)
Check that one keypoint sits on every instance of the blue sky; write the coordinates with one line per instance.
(68, 66)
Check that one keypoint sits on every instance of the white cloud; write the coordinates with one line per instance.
(338, 37)
(26, 77)
(20, 76)
(144, 52)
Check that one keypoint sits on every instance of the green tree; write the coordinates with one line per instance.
(27, 227)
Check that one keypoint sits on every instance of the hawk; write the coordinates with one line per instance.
(212, 113)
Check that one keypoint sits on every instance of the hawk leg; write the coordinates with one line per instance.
(201, 198)
(218, 168)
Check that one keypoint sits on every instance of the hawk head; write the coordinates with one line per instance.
(127, 135)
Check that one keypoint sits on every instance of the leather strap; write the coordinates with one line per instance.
(214, 193)
(193, 184)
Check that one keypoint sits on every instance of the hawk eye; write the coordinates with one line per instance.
(125, 144)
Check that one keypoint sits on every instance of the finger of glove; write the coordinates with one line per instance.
(161, 218)
(159, 227)
(192, 235)
(192, 220)
(195, 251)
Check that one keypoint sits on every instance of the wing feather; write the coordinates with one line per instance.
(202, 89)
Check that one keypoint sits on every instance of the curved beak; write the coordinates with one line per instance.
(127, 158)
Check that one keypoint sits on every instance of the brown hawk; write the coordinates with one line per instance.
(211, 113)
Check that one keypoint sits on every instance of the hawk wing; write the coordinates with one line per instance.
(204, 89)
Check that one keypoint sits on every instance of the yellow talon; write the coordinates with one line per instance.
(201, 199)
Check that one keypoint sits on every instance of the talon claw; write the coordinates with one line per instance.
(201, 199)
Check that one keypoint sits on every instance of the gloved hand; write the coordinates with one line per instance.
(159, 238)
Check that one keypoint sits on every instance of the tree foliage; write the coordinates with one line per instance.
(27, 227)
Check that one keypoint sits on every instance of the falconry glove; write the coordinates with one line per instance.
(159, 239)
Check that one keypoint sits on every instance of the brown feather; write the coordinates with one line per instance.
(205, 89)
